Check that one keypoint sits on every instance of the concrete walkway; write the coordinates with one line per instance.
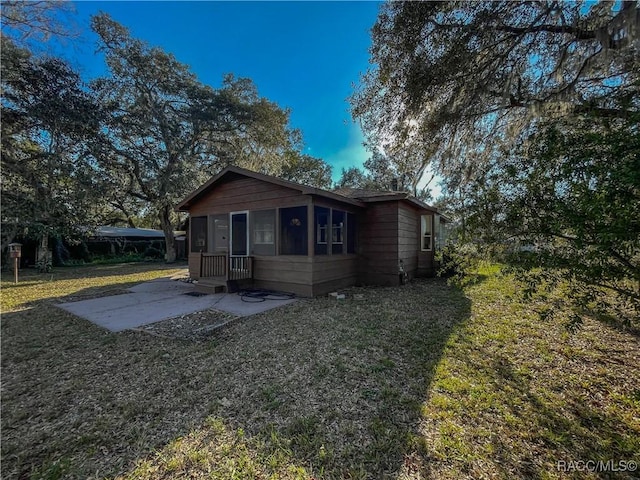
(158, 300)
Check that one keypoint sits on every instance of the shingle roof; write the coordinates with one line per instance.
(361, 193)
(369, 196)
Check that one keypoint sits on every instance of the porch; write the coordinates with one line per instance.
(218, 270)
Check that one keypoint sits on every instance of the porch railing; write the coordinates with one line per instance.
(222, 266)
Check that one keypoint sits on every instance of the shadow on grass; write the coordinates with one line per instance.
(320, 388)
(68, 284)
(625, 324)
(563, 427)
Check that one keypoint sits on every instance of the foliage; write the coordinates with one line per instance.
(459, 80)
(353, 177)
(151, 252)
(47, 116)
(458, 263)
(385, 172)
(307, 170)
(167, 133)
(44, 265)
(576, 201)
(36, 20)
(529, 112)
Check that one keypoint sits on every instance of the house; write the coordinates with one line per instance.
(254, 228)
(109, 240)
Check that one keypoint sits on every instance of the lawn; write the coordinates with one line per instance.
(421, 381)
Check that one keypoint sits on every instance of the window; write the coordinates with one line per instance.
(351, 233)
(198, 234)
(293, 231)
(263, 227)
(337, 231)
(426, 232)
(321, 215)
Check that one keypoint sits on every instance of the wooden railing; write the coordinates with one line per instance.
(212, 265)
(240, 268)
(229, 268)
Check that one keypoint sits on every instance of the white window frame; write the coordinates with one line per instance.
(338, 227)
(231, 214)
(264, 230)
(426, 232)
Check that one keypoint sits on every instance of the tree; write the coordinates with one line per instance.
(47, 115)
(353, 177)
(35, 20)
(382, 172)
(521, 108)
(461, 78)
(573, 193)
(167, 132)
(307, 170)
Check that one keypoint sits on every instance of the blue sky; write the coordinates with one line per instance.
(303, 55)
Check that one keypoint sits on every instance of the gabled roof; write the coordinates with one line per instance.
(233, 171)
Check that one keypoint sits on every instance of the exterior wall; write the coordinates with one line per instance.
(331, 272)
(247, 194)
(288, 273)
(194, 265)
(408, 238)
(378, 244)
(390, 232)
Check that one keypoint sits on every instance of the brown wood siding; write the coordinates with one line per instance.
(288, 273)
(378, 244)
(194, 265)
(408, 238)
(247, 194)
(298, 289)
(331, 272)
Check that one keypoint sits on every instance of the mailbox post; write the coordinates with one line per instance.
(15, 252)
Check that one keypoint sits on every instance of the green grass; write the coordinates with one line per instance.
(76, 283)
(422, 381)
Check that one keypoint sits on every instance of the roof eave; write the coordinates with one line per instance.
(400, 197)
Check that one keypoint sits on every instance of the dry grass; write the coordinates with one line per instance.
(423, 381)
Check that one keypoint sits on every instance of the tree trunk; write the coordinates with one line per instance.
(167, 228)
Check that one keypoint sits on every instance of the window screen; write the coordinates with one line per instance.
(263, 232)
(321, 215)
(293, 231)
(198, 229)
(337, 231)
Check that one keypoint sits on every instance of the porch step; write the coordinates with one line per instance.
(211, 285)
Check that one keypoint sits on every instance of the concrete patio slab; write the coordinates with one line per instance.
(158, 300)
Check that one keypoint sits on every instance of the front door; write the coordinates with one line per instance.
(219, 225)
(239, 234)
